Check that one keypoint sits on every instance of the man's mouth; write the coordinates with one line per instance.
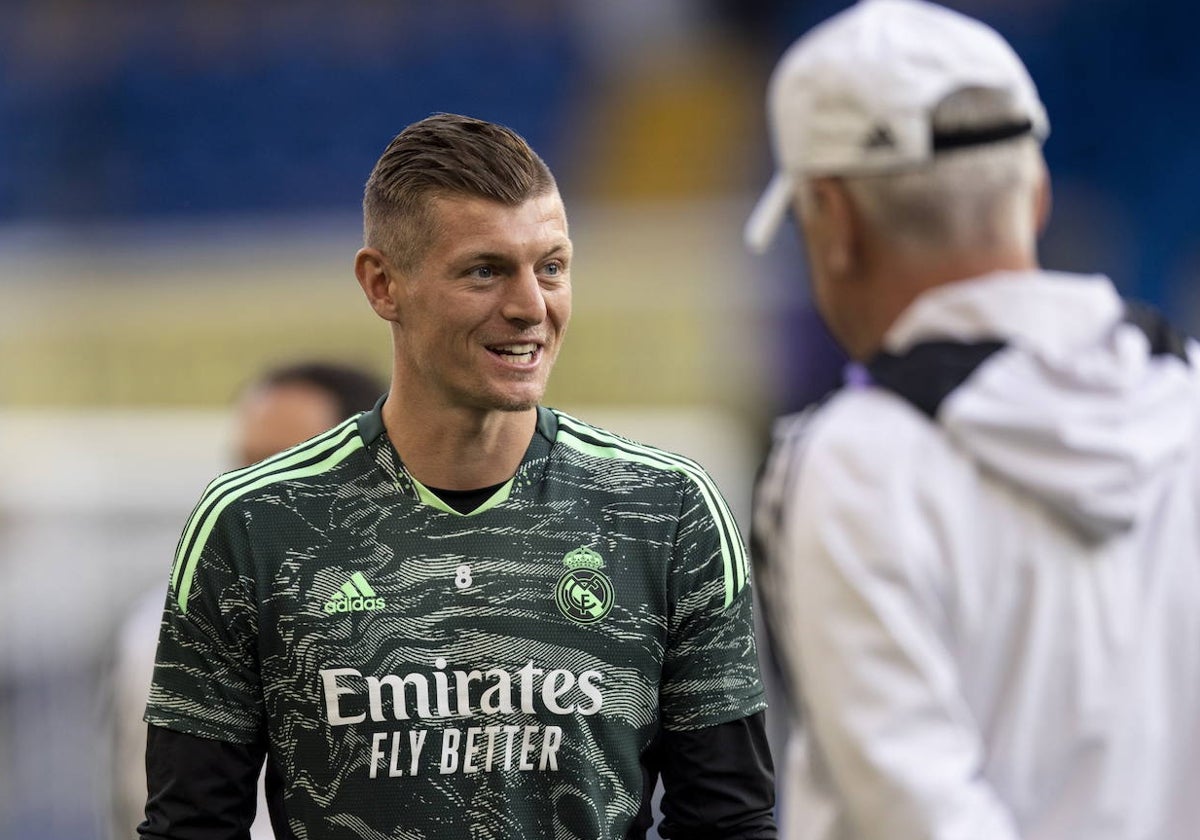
(519, 353)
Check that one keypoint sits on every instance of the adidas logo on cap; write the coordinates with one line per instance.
(881, 137)
(356, 595)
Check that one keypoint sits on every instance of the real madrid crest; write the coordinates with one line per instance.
(584, 594)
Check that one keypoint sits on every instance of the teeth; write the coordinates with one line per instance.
(517, 349)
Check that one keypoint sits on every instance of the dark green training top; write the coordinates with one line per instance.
(421, 673)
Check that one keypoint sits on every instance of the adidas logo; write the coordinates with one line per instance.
(881, 137)
(356, 595)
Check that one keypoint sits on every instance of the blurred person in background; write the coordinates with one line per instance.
(982, 552)
(461, 614)
(284, 406)
(292, 403)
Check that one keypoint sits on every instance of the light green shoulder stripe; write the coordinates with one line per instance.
(733, 552)
(209, 520)
(225, 483)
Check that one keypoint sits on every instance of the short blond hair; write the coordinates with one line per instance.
(445, 155)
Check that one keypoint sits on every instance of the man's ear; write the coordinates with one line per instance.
(375, 275)
(840, 225)
(1044, 201)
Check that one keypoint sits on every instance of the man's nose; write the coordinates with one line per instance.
(524, 298)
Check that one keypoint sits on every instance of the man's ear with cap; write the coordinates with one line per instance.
(379, 283)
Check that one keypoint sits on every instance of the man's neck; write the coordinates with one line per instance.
(897, 282)
(457, 449)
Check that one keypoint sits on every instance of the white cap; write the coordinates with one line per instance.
(856, 95)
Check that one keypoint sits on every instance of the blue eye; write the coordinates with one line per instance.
(483, 272)
(553, 269)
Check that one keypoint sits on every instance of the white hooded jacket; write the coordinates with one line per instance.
(983, 575)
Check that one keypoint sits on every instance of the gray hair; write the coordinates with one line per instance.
(966, 198)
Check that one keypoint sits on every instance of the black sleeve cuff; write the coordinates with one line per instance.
(719, 782)
(198, 788)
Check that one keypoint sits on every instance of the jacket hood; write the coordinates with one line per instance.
(1078, 405)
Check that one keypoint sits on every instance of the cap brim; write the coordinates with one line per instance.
(769, 213)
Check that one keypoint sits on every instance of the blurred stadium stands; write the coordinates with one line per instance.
(179, 189)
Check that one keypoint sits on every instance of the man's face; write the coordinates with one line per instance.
(480, 318)
(270, 418)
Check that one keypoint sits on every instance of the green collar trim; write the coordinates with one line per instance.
(432, 499)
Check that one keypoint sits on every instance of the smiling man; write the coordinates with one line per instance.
(461, 614)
